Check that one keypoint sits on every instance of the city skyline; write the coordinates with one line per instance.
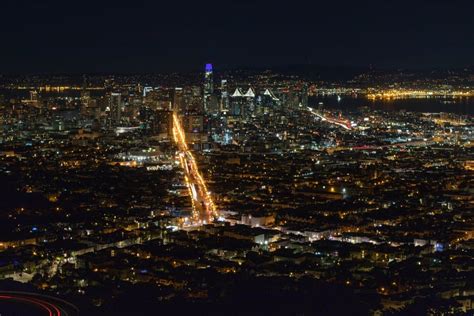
(237, 158)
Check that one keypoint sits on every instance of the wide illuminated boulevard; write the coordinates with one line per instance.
(204, 209)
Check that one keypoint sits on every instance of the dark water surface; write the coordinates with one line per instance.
(432, 105)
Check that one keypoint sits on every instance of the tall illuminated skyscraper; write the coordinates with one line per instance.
(224, 107)
(178, 99)
(208, 86)
(304, 95)
(115, 107)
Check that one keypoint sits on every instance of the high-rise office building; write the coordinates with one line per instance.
(178, 96)
(208, 86)
(115, 106)
(224, 107)
(237, 103)
(304, 95)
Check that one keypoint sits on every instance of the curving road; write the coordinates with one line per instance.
(25, 303)
(345, 124)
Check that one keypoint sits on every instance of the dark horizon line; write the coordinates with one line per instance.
(234, 68)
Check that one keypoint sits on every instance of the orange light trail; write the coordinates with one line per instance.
(194, 178)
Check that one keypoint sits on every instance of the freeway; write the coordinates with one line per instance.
(340, 123)
(204, 209)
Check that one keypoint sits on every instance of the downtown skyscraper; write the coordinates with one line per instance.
(208, 86)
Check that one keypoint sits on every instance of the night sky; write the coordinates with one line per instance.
(162, 36)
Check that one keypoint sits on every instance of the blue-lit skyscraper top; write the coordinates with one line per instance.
(208, 86)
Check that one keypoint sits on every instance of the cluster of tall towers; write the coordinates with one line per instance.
(248, 100)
